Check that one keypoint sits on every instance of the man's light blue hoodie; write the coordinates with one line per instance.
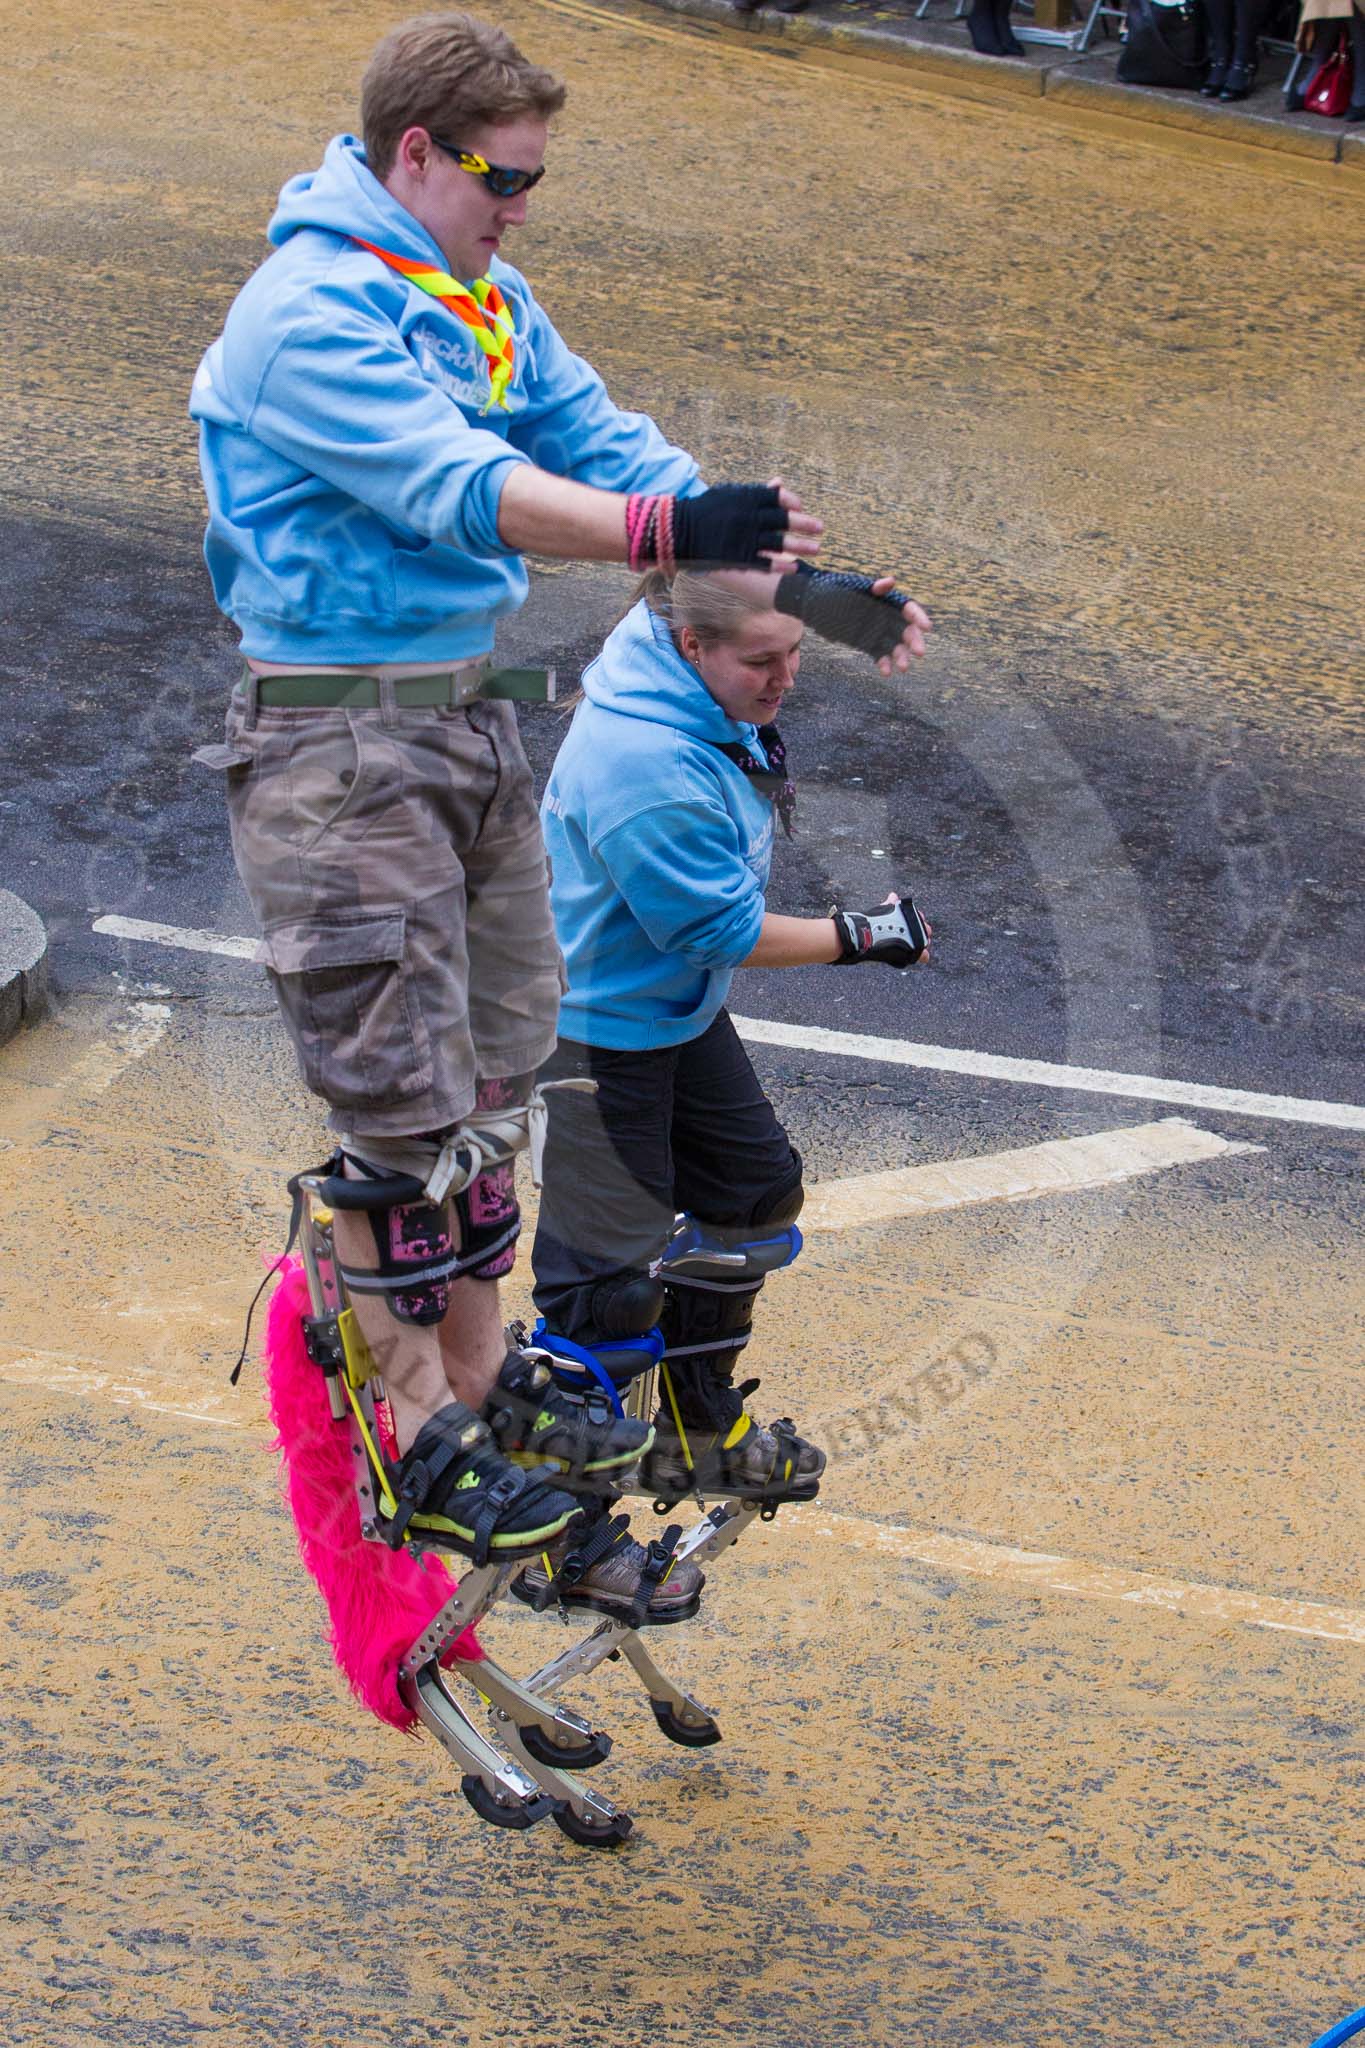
(660, 847)
(353, 476)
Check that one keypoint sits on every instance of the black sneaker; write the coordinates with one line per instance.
(455, 1490)
(581, 1435)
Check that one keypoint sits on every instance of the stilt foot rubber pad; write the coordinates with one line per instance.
(593, 1834)
(691, 1734)
(514, 1813)
(581, 1757)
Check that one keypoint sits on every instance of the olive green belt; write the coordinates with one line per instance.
(450, 687)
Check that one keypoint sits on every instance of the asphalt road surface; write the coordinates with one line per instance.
(1045, 1726)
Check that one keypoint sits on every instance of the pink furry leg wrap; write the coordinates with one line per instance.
(378, 1600)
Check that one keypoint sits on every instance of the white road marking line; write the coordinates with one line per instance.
(162, 1311)
(990, 1066)
(58, 1373)
(893, 1052)
(187, 940)
(1016, 1175)
(1045, 1572)
(1061, 1166)
(1295, 1629)
(130, 1039)
(1040, 1571)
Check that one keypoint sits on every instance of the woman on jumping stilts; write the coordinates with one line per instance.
(673, 1191)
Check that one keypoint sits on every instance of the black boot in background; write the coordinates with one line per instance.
(982, 29)
(1219, 15)
(1241, 73)
(1010, 45)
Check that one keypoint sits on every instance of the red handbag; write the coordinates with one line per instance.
(1329, 89)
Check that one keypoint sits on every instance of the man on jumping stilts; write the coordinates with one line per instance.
(387, 422)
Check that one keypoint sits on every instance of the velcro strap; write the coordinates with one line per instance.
(375, 1191)
(605, 1535)
(447, 1439)
(584, 1416)
(489, 1247)
(749, 1284)
(410, 1493)
(655, 1569)
(788, 1449)
(365, 1280)
(735, 1342)
(485, 1518)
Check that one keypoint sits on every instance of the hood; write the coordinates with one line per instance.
(343, 197)
(640, 674)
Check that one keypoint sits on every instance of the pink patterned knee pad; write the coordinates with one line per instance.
(489, 1213)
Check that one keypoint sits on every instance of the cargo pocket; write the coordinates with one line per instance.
(345, 988)
(225, 755)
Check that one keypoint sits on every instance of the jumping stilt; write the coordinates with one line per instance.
(523, 1768)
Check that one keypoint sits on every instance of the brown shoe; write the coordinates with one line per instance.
(771, 1465)
(607, 1572)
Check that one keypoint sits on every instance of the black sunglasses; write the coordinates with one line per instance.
(499, 179)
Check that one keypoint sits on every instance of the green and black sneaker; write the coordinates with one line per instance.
(533, 1417)
(454, 1489)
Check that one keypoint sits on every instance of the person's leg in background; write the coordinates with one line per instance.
(737, 1178)
(606, 1209)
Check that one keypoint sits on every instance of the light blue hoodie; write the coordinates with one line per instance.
(659, 845)
(353, 477)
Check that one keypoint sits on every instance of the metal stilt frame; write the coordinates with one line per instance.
(524, 1769)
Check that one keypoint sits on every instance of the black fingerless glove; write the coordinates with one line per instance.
(841, 607)
(730, 526)
(894, 933)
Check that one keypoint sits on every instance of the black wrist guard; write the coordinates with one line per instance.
(731, 526)
(841, 607)
(893, 933)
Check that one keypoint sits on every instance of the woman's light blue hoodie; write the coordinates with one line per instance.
(659, 844)
(353, 477)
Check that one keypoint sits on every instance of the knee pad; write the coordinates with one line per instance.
(621, 1338)
(785, 1200)
(713, 1274)
(490, 1223)
(488, 1209)
(412, 1238)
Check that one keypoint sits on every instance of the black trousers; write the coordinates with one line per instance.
(683, 1127)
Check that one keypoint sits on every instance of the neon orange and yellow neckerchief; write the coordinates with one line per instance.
(484, 312)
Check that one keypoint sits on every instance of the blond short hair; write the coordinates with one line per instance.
(448, 73)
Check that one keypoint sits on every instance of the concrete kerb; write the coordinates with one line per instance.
(1077, 82)
(23, 964)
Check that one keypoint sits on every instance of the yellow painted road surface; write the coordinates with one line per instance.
(1030, 1738)
(964, 1793)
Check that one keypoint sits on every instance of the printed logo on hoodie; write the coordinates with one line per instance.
(446, 361)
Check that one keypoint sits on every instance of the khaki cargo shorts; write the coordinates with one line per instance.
(397, 871)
